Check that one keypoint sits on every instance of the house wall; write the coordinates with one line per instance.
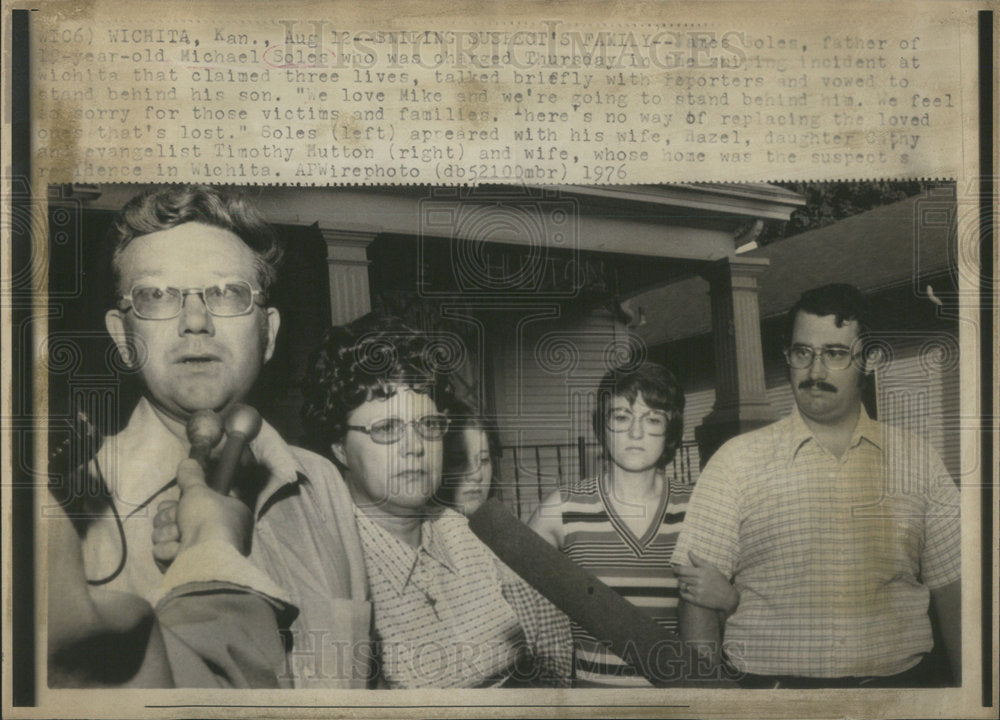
(918, 391)
(545, 374)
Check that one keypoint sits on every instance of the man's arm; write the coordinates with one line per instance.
(203, 633)
(218, 610)
(701, 584)
(946, 602)
(96, 638)
(701, 635)
(220, 635)
(709, 539)
(941, 559)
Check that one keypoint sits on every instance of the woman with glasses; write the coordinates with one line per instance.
(623, 524)
(448, 613)
(471, 452)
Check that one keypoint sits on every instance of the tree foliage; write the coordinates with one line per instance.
(828, 202)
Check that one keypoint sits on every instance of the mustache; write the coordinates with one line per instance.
(819, 384)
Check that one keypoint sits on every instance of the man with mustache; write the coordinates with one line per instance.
(192, 268)
(838, 531)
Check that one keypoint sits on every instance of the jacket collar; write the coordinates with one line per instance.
(142, 458)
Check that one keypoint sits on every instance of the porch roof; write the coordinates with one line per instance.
(893, 245)
(683, 221)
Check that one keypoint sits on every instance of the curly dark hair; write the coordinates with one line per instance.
(463, 418)
(364, 360)
(167, 207)
(660, 390)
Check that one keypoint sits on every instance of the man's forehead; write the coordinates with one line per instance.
(155, 270)
(822, 330)
(191, 250)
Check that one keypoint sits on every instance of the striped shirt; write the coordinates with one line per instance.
(449, 613)
(833, 557)
(637, 568)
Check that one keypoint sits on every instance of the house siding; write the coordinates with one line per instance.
(545, 389)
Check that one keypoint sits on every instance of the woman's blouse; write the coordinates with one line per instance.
(449, 613)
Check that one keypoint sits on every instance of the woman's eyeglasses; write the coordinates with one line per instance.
(391, 430)
(653, 422)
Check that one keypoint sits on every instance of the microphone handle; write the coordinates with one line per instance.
(632, 635)
(225, 469)
(204, 429)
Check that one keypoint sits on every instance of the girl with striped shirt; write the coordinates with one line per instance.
(623, 524)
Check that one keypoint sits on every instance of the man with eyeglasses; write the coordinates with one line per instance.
(192, 267)
(838, 531)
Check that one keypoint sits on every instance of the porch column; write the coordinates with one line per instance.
(741, 402)
(347, 258)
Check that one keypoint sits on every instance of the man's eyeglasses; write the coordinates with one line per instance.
(834, 357)
(163, 303)
(653, 422)
(390, 430)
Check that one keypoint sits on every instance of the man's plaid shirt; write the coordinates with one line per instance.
(833, 558)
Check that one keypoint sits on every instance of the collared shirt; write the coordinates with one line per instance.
(449, 614)
(305, 541)
(833, 557)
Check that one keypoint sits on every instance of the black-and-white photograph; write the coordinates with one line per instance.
(381, 360)
(504, 436)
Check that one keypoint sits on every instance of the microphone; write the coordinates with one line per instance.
(630, 634)
(242, 425)
(204, 430)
